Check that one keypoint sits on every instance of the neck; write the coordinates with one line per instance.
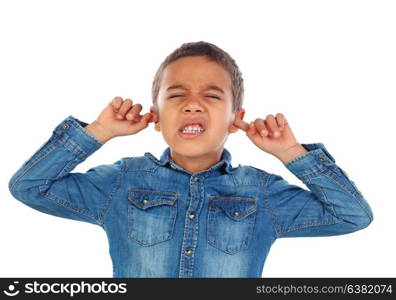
(195, 164)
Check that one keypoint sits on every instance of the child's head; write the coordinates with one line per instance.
(213, 53)
(197, 80)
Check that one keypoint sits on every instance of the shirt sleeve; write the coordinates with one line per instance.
(45, 182)
(333, 205)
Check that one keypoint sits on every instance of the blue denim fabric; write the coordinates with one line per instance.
(163, 221)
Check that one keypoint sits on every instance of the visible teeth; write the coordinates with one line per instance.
(191, 129)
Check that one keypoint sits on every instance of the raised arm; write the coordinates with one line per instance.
(332, 205)
(45, 182)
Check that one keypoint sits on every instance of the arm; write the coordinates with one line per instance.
(333, 205)
(44, 182)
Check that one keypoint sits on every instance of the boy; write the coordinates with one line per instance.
(191, 213)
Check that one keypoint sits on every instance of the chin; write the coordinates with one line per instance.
(191, 149)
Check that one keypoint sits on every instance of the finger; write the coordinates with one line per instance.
(116, 103)
(252, 130)
(124, 108)
(144, 121)
(272, 126)
(152, 118)
(260, 126)
(147, 118)
(241, 124)
(280, 120)
(134, 111)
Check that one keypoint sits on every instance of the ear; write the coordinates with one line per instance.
(238, 115)
(155, 118)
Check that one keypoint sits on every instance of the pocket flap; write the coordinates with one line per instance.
(236, 208)
(148, 198)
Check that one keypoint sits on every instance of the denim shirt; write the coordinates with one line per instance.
(163, 221)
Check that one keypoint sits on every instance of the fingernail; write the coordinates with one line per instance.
(277, 133)
(264, 132)
(119, 116)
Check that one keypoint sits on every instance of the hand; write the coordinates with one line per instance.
(121, 117)
(272, 135)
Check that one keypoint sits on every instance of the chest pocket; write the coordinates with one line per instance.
(151, 216)
(231, 222)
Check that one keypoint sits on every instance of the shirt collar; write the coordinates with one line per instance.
(224, 163)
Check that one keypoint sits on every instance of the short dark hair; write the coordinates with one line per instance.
(213, 53)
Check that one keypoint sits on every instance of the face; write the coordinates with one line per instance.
(194, 87)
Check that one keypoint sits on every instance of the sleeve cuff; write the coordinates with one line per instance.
(314, 161)
(74, 129)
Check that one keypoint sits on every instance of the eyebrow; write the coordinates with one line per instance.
(207, 87)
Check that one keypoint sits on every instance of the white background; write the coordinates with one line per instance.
(329, 66)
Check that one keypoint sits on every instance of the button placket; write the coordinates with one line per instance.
(191, 216)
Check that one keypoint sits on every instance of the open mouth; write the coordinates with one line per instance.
(191, 131)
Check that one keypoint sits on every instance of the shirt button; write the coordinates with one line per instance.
(236, 214)
(195, 178)
(191, 216)
(187, 252)
(322, 158)
(145, 201)
(173, 167)
(65, 126)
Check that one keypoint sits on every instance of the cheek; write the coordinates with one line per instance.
(221, 128)
(169, 130)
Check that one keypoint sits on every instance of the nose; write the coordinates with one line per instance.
(193, 105)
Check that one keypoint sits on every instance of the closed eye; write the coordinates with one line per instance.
(174, 96)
